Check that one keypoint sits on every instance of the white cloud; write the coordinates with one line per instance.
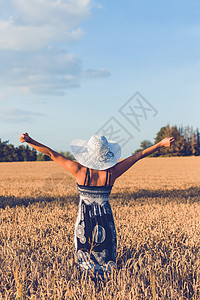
(16, 115)
(34, 24)
(30, 38)
(30, 58)
(95, 73)
(49, 71)
(67, 13)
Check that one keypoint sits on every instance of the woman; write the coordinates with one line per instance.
(96, 168)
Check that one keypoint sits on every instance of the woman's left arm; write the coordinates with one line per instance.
(164, 143)
(125, 164)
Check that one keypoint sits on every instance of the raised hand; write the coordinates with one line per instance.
(24, 137)
(167, 142)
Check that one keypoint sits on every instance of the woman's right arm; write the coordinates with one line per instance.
(66, 163)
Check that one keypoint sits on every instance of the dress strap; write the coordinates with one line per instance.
(87, 177)
(108, 179)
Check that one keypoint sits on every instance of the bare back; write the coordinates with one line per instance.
(97, 178)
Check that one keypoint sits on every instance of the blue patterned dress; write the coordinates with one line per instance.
(95, 235)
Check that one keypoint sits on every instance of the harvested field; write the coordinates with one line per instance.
(156, 206)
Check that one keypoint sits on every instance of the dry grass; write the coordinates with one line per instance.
(157, 213)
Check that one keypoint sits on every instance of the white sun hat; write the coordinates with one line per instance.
(97, 153)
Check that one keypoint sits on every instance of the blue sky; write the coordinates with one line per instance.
(68, 67)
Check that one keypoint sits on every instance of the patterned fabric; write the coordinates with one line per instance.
(95, 235)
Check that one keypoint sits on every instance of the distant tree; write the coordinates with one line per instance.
(179, 148)
(144, 145)
(198, 141)
(10, 153)
(162, 133)
(43, 157)
(24, 153)
(32, 155)
(193, 142)
(187, 142)
(67, 154)
(187, 136)
(1, 151)
(19, 152)
(6, 151)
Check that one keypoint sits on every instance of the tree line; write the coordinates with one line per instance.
(9, 152)
(187, 143)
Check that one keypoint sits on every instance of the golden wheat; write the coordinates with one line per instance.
(157, 213)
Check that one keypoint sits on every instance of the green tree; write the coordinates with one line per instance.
(67, 154)
(193, 145)
(24, 153)
(43, 157)
(198, 141)
(179, 148)
(144, 145)
(19, 152)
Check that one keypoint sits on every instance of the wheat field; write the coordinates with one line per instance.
(157, 215)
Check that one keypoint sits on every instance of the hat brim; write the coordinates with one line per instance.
(80, 152)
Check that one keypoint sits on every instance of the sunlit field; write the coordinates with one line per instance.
(156, 206)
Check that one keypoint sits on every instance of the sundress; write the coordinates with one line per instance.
(95, 235)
